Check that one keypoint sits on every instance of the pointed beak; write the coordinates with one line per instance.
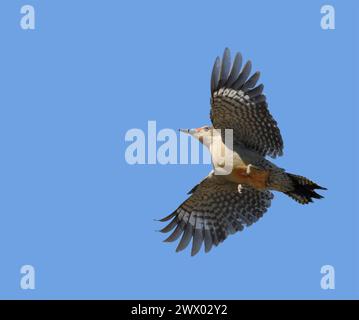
(188, 131)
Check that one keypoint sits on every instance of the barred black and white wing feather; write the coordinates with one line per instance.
(215, 209)
(238, 104)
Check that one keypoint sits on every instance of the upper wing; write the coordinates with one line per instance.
(215, 209)
(236, 103)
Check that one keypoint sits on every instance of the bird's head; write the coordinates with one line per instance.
(203, 134)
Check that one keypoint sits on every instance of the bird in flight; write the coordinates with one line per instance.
(237, 192)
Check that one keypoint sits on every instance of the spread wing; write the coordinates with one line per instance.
(238, 104)
(215, 209)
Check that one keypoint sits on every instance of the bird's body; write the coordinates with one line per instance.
(238, 190)
(239, 164)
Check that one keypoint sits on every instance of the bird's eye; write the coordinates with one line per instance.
(205, 128)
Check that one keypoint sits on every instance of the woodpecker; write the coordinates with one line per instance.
(238, 191)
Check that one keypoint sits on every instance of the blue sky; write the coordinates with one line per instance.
(91, 70)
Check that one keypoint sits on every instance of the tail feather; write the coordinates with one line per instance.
(303, 189)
